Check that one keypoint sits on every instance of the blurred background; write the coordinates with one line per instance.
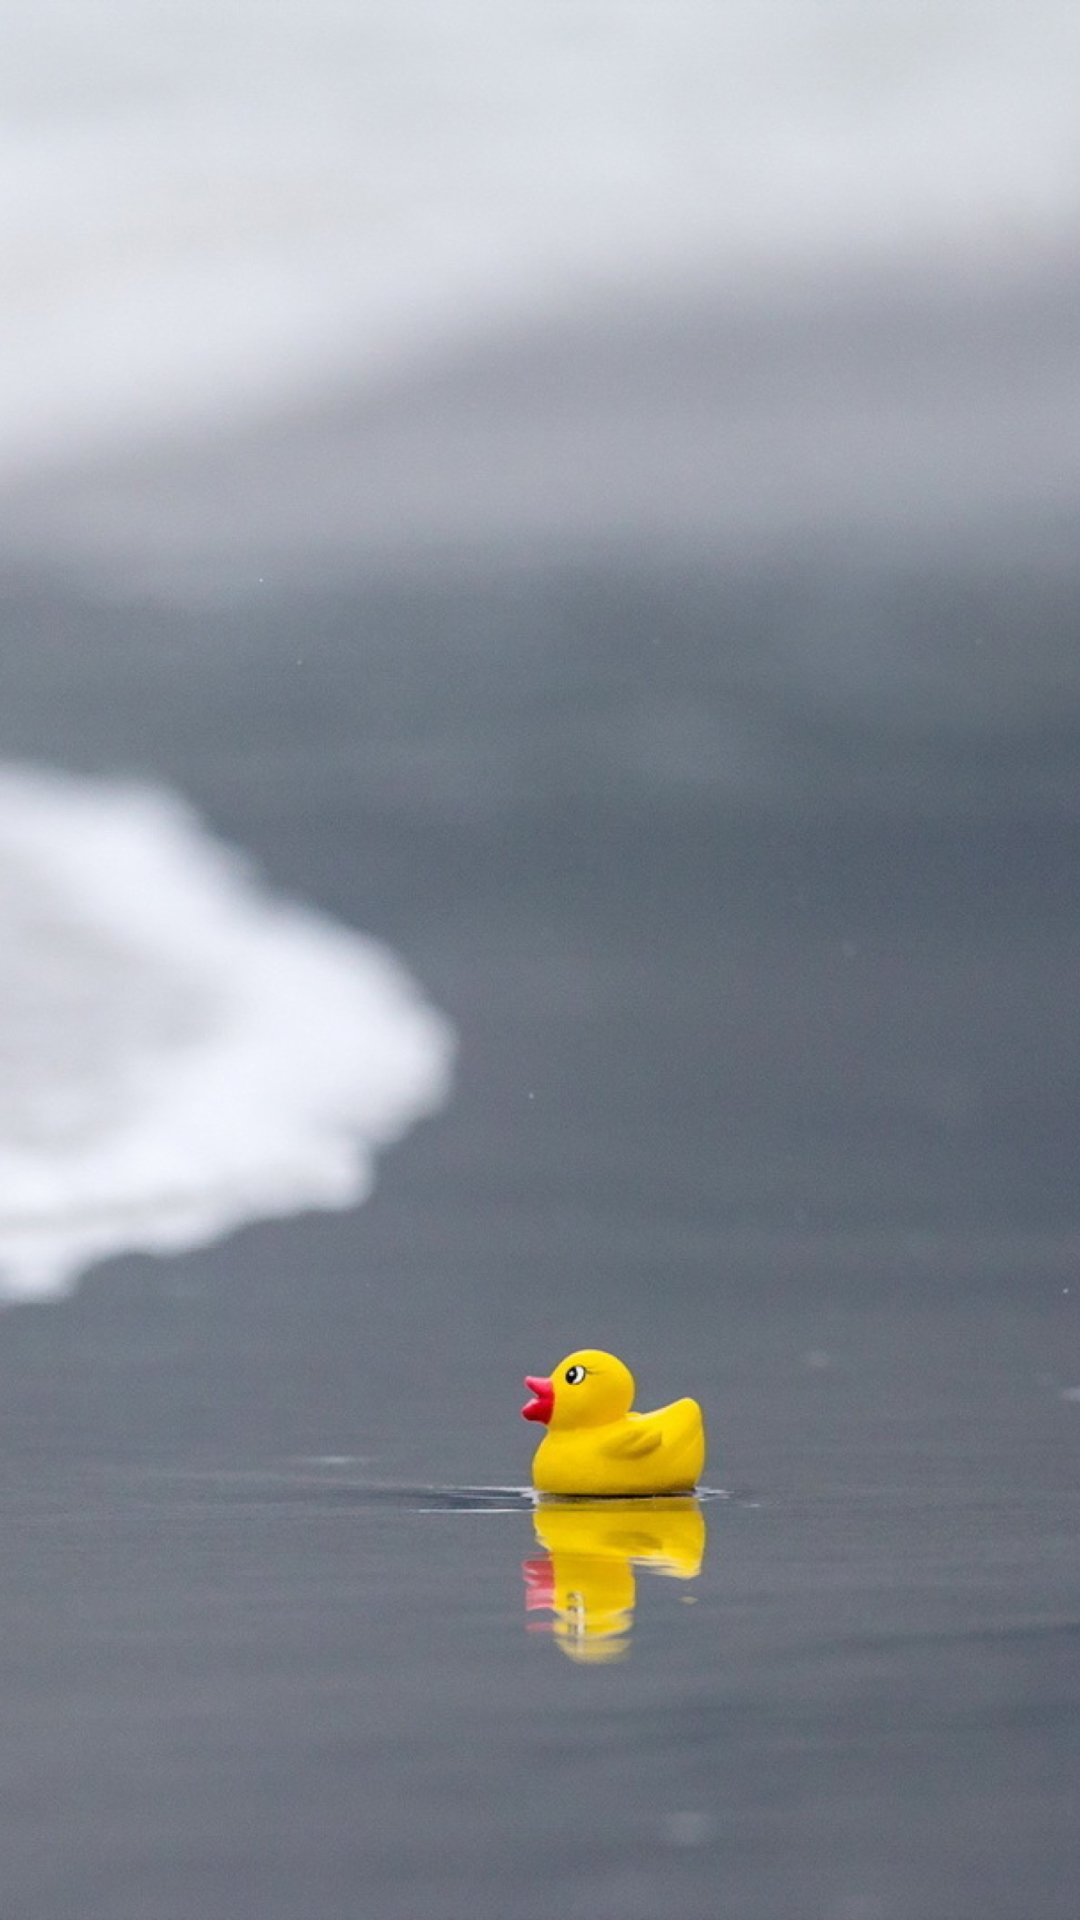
(539, 593)
(370, 282)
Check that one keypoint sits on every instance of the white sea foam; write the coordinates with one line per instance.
(209, 209)
(179, 1051)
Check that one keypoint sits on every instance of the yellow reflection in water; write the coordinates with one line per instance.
(586, 1575)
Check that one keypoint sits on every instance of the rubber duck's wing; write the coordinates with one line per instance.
(633, 1443)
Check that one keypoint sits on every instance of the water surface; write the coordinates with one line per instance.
(768, 1081)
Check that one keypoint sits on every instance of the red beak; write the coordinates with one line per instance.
(538, 1408)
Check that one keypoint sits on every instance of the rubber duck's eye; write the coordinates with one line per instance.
(574, 1376)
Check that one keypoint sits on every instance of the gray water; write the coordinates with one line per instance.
(766, 987)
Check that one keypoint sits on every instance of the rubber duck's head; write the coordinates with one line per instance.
(587, 1389)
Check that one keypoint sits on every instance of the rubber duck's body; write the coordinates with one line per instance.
(594, 1445)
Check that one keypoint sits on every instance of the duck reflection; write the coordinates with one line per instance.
(586, 1575)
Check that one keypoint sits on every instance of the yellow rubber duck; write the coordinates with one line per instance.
(586, 1577)
(595, 1445)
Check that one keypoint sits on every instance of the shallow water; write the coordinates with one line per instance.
(772, 1091)
(289, 1689)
